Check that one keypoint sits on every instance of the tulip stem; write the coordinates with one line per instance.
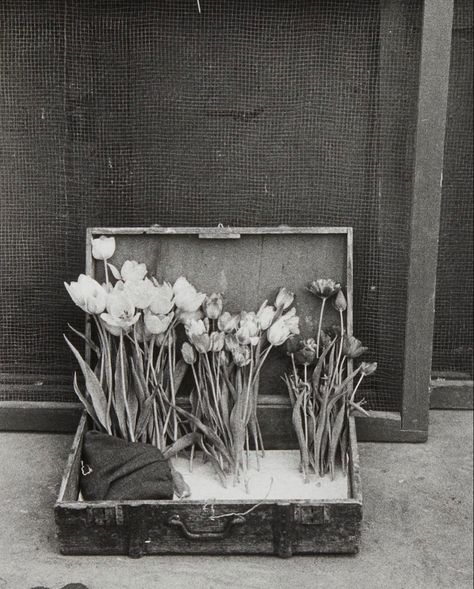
(106, 272)
(124, 390)
(323, 303)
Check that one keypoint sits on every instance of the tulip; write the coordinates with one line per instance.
(352, 347)
(103, 247)
(307, 354)
(231, 342)
(228, 322)
(368, 368)
(162, 298)
(121, 313)
(340, 302)
(241, 356)
(213, 305)
(291, 321)
(284, 298)
(265, 316)
(217, 341)
(186, 317)
(278, 333)
(293, 344)
(186, 297)
(133, 271)
(88, 294)
(140, 293)
(248, 330)
(198, 336)
(157, 324)
(188, 353)
(324, 287)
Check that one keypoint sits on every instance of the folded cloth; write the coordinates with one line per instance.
(113, 468)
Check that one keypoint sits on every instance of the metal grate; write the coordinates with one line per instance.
(252, 113)
(453, 332)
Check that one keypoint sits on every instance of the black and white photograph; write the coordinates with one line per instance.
(236, 247)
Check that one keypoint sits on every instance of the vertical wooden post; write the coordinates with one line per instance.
(425, 214)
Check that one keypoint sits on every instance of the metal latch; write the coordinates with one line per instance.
(311, 514)
(105, 516)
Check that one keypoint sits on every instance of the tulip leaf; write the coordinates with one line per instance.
(119, 398)
(182, 443)
(87, 339)
(115, 271)
(94, 388)
(88, 407)
(179, 373)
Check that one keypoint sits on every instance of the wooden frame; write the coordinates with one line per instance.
(451, 390)
(412, 423)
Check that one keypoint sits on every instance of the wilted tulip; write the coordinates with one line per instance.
(265, 316)
(88, 294)
(186, 297)
(156, 324)
(217, 341)
(133, 271)
(340, 302)
(103, 247)
(162, 298)
(324, 287)
(140, 292)
(189, 355)
(352, 347)
(212, 305)
(368, 368)
(227, 322)
(121, 312)
(284, 298)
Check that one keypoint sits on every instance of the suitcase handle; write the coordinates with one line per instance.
(177, 522)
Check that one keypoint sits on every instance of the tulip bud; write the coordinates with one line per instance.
(368, 368)
(189, 355)
(284, 298)
(103, 247)
(340, 302)
(212, 305)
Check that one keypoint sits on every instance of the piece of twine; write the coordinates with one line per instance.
(213, 517)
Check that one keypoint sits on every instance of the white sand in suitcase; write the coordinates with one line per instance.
(278, 478)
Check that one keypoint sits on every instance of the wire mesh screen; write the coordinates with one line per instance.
(453, 335)
(256, 112)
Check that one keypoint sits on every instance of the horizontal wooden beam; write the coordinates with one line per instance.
(39, 416)
(451, 394)
(24, 416)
